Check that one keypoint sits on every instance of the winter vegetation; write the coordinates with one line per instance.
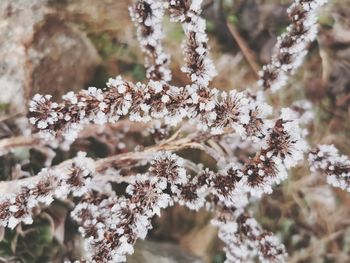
(115, 199)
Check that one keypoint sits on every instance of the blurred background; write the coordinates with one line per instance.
(55, 46)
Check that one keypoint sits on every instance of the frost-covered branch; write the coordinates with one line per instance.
(8, 144)
(148, 17)
(112, 225)
(245, 239)
(167, 171)
(336, 167)
(205, 108)
(198, 66)
(19, 197)
(291, 46)
(71, 177)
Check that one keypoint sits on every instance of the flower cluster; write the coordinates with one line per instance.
(169, 168)
(244, 238)
(327, 160)
(206, 108)
(73, 178)
(147, 16)
(194, 194)
(291, 46)
(283, 148)
(199, 67)
(112, 224)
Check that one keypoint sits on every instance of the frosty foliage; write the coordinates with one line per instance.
(291, 46)
(111, 223)
(244, 238)
(148, 16)
(208, 109)
(336, 167)
(57, 182)
(198, 66)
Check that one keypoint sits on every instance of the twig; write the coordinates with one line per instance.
(306, 252)
(247, 52)
(14, 115)
(93, 129)
(102, 164)
(9, 143)
(207, 4)
(146, 154)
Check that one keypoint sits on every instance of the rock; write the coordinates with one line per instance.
(201, 241)
(62, 58)
(156, 252)
(40, 53)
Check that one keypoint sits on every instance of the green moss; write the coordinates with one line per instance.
(176, 33)
(219, 258)
(103, 44)
(107, 46)
(32, 245)
(233, 19)
(138, 72)
(4, 107)
(326, 20)
(210, 26)
(281, 29)
(116, 53)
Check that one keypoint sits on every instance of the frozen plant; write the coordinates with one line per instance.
(157, 177)
(327, 160)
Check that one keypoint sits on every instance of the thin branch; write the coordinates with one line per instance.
(21, 141)
(247, 52)
(102, 164)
